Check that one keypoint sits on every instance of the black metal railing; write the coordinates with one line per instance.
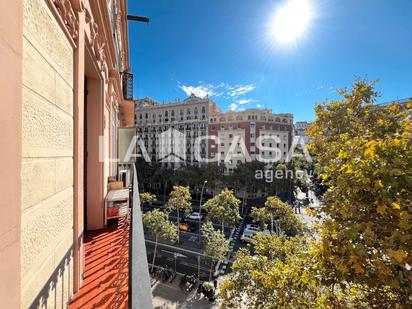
(127, 81)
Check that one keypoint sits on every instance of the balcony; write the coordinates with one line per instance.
(106, 268)
(115, 268)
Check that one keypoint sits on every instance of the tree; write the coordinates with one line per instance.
(364, 153)
(363, 258)
(282, 273)
(223, 208)
(147, 197)
(217, 246)
(158, 224)
(276, 210)
(179, 200)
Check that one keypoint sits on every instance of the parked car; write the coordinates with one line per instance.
(184, 227)
(247, 235)
(196, 216)
(254, 228)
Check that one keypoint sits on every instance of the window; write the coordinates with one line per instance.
(230, 135)
(203, 109)
(166, 113)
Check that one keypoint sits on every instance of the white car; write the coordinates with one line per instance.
(253, 228)
(196, 216)
(247, 236)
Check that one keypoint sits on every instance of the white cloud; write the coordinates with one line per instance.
(222, 89)
(199, 91)
(233, 107)
(239, 90)
(245, 101)
(258, 105)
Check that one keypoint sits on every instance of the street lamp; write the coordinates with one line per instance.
(200, 204)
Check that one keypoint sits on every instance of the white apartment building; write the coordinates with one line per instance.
(169, 131)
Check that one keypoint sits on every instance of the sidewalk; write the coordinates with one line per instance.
(171, 296)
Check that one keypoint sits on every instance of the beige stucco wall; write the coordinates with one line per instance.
(47, 160)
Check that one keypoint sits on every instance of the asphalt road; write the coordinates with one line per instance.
(187, 261)
(188, 250)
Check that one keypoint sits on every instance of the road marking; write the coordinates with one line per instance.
(176, 248)
(193, 266)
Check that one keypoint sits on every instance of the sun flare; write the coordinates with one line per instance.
(291, 20)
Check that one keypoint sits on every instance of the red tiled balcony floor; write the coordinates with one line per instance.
(105, 283)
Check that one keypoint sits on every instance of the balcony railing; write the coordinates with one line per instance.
(140, 295)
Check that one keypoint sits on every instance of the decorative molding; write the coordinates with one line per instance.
(68, 16)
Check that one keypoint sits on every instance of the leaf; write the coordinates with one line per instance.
(398, 255)
(382, 209)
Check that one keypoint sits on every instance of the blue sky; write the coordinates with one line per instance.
(224, 48)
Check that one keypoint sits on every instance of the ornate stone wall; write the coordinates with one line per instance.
(47, 159)
(50, 38)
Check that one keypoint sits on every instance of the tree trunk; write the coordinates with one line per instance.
(271, 223)
(178, 227)
(223, 226)
(210, 271)
(154, 254)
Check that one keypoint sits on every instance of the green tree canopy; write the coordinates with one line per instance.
(223, 208)
(158, 224)
(179, 200)
(147, 197)
(217, 246)
(276, 210)
(282, 273)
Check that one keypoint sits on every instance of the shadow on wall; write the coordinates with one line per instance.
(58, 288)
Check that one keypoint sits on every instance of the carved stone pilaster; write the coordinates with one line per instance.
(68, 16)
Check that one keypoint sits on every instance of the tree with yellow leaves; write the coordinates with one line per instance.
(364, 152)
(363, 258)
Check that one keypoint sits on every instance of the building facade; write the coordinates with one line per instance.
(249, 135)
(168, 132)
(226, 138)
(300, 129)
(63, 100)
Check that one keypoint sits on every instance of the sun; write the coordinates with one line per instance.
(291, 20)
